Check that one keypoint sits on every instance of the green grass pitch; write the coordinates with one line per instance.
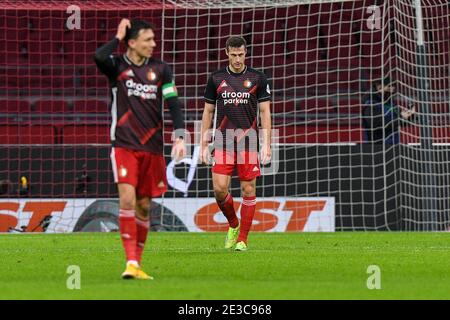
(195, 266)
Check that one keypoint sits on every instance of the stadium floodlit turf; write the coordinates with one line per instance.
(194, 266)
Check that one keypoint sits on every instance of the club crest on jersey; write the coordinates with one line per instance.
(247, 84)
(123, 171)
(151, 76)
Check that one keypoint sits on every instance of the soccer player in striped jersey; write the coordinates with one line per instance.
(235, 95)
(139, 83)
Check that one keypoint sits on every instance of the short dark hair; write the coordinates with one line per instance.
(235, 42)
(386, 81)
(136, 26)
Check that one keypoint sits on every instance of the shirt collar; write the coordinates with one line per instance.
(127, 60)
(234, 73)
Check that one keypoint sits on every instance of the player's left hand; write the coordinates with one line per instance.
(407, 113)
(178, 150)
(266, 153)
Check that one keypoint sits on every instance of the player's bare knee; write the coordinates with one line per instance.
(127, 205)
(143, 206)
(220, 189)
(127, 201)
(127, 196)
(248, 190)
(220, 194)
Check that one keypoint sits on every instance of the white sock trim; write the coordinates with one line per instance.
(127, 213)
(133, 262)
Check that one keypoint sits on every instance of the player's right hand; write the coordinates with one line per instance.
(205, 155)
(266, 153)
(122, 29)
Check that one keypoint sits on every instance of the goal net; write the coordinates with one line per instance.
(337, 165)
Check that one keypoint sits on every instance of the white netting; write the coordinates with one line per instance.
(321, 58)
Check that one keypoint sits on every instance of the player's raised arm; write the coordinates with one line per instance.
(103, 55)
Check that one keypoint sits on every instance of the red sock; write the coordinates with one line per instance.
(228, 210)
(247, 213)
(142, 231)
(128, 233)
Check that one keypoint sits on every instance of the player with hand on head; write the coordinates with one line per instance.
(139, 83)
(237, 94)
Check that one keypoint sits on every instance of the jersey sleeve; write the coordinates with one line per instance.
(263, 93)
(210, 91)
(105, 60)
(169, 89)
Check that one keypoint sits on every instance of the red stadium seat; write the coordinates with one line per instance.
(16, 21)
(27, 134)
(343, 55)
(440, 107)
(320, 134)
(410, 134)
(303, 50)
(372, 45)
(354, 10)
(94, 81)
(441, 134)
(86, 134)
(14, 106)
(371, 36)
(257, 14)
(11, 54)
(307, 79)
(263, 54)
(349, 105)
(340, 33)
(51, 106)
(338, 80)
(282, 107)
(90, 106)
(194, 105)
(15, 35)
(9, 134)
(264, 34)
(440, 84)
(191, 50)
(315, 105)
(298, 18)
